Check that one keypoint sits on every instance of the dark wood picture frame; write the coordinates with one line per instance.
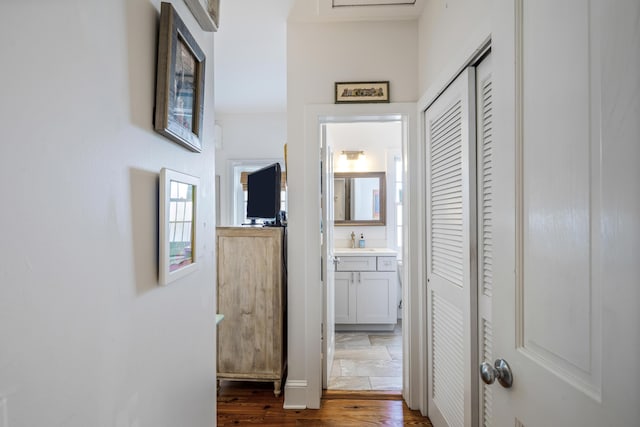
(361, 92)
(180, 77)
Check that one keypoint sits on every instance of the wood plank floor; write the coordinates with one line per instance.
(241, 403)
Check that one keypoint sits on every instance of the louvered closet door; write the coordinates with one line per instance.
(451, 262)
(485, 229)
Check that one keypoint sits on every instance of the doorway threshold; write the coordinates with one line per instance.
(361, 395)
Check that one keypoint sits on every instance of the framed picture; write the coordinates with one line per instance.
(361, 92)
(206, 12)
(177, 225)
(179, 82)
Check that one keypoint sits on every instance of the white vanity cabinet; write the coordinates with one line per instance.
(366, 288)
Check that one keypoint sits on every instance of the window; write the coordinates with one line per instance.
(398, 197)
(395, 199)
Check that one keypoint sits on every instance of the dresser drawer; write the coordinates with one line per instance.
(356, 263)
(387, 263)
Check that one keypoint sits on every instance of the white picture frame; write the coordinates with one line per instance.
(178, 209)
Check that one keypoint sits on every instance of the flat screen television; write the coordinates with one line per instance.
(263, 198)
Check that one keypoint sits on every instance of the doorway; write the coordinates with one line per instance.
(366, 355)
(362, 355)
(316, 116)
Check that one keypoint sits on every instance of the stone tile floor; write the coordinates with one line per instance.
(367, 361)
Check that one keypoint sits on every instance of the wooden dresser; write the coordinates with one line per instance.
(252, 297)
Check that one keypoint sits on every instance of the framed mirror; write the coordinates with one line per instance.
(359, 198)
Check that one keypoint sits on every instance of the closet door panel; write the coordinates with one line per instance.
(451, 265)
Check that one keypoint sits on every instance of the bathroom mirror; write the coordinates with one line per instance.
(359, 198)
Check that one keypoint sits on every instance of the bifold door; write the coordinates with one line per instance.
(451, 264)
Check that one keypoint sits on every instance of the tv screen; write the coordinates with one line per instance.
(263, 188)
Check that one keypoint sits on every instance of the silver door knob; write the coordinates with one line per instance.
(500, 371)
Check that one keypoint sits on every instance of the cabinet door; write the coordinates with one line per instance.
(387, 263)
(345, 293)
(250, 293)
(376, 297)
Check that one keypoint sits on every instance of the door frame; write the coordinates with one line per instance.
(327, 272)
(315, 117)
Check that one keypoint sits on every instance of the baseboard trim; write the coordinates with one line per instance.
(295, 394)
(361, 395)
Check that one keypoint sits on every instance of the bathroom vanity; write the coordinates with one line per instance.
(365, 289)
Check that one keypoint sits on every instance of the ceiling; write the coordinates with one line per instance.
(250, 65)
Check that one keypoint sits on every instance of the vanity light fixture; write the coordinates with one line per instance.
(352, 155)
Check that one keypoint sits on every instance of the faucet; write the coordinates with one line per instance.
(353, 239)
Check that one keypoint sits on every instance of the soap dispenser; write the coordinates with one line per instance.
(361, 241)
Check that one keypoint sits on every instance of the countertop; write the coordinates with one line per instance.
(364, 252)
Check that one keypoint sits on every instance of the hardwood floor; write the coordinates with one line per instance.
(241, 403)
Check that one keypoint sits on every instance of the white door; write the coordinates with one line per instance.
(567, 231)
(328, 326)
(485, 222)
(451, 264)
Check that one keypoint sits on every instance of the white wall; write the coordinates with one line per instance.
(374, 138)
(318, 56)
(88, 338)
(447, 29)
(257, 136)
(250, 45)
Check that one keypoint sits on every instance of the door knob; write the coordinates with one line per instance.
(500, 371)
